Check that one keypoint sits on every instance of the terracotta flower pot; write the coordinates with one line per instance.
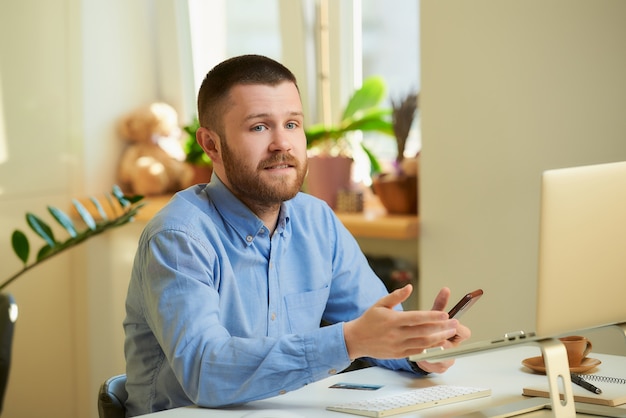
(327, 176)
(397, 193)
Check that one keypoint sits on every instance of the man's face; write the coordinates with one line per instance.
(263, 145)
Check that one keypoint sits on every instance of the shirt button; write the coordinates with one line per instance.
(249, 238)
(273, 316)
(332, 371)
(282, 392)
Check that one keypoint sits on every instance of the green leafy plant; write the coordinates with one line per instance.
(362, 113)
(194, 153)
(124, 211)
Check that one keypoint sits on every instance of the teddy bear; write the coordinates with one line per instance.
(153, 161)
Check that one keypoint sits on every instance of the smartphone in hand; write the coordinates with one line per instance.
(465, 303)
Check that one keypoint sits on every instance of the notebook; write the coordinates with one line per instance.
(613, 391)
(581, 280)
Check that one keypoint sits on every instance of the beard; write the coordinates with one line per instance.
(248, 185)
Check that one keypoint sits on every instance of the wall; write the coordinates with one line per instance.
(509, 89)
(69, 69)
(39, 101)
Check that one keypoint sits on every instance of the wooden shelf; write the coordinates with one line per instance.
(382, 226)
(373, 222)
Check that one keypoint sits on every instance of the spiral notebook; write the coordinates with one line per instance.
(613, 391)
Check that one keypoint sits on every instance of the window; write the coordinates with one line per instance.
(390, 47)
(220, 29)
(367, 37)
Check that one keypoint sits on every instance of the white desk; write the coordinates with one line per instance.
(500, 370)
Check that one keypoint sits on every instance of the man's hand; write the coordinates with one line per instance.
(462, 334)
(381, 332)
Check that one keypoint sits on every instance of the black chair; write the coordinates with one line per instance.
(112, 397)
(8, 316)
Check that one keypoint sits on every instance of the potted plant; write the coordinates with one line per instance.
(123, 213)
(195, 155)
(398, 190)
(330, 148)
(121, 210)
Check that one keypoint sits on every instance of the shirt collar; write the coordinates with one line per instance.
(238, 215)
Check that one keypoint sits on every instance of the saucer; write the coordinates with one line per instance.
(536, 364)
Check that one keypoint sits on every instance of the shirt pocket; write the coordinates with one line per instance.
(305, 310)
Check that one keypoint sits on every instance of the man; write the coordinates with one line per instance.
(232, 279)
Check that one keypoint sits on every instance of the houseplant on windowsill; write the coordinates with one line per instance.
(398, 190)
(195, 155)
(331, 148)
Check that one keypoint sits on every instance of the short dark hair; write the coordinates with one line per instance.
(243, 69)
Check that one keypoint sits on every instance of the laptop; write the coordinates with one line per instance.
(582, 258)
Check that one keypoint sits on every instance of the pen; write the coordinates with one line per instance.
(583, 383)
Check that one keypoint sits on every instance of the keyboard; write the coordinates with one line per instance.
(413, 400)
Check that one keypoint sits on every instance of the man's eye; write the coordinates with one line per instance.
(258, 128)
(291, 125)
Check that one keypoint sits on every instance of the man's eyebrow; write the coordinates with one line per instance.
(264, 115)
(256, 116)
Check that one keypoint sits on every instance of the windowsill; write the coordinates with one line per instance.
(373, 222)
(380, 225)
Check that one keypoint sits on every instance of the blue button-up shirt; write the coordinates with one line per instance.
(219, 312)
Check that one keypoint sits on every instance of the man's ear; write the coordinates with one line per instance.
(209, 141)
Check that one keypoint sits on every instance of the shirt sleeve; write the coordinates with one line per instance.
(182, 308)
(355, 288)
(401, 364)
